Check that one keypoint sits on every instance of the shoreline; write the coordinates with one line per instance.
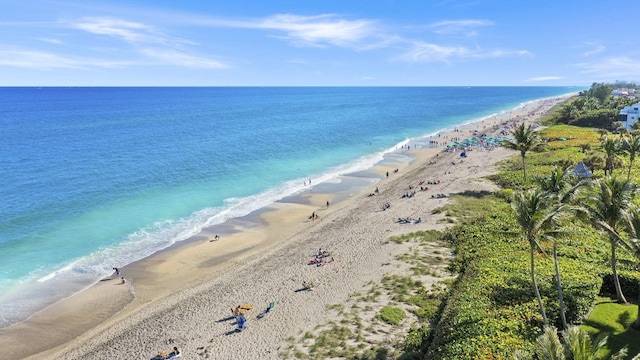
(266, 240)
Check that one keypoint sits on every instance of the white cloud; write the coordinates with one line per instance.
(426, 52)
(128, 31)
(138, 34)
(315, 31)
(459, 27)
(173, 57)
(51, 41)
(596, 49)
(612, 68)
(544, 78)
(319, 30)
(500, 53)
(46, 61)
(34, 59)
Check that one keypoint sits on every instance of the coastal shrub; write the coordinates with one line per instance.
(391, 315)
(573, 136)
(505, 194)
(416, 340)
(420, 236)
(600, 118)
(491, 310)
(628, 283)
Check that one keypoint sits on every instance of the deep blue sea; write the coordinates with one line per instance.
(92, 178)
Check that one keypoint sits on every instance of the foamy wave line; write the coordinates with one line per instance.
(164, 234)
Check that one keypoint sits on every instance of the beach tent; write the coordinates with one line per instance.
(581, 170)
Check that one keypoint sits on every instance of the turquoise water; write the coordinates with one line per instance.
(96, 178)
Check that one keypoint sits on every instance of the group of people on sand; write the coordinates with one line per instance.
(409, 194)
(315, 216)
(322, 258)
(116, 274)
(438, 196)
(409, 220)
(239, 314)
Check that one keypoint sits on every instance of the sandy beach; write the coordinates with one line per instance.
(182, 296)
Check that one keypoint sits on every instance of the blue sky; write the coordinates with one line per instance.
(317, 42)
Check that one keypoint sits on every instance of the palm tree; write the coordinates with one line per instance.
(611, 148)
(537, 217)
(525, 139)
(568, 112)
(632, 146)
(607, 210)
(602, 133)
(561, 185)
(576, 344)
(633, 245)
(562, 189)
(548, 345)
(595, 162)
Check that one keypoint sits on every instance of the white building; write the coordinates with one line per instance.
(629, 115)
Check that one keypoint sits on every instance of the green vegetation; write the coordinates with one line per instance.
(614, 320)
(525, 140)
(544, 248)
(574, 343)
(597, 108)
(391, 315)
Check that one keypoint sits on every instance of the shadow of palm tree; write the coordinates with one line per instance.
(629, 337)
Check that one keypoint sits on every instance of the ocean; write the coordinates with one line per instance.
(96, 178)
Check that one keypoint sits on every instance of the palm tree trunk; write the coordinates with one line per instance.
(563, 317)
(524, 168)
(630, 166)
(535, 288)
(614, 268)
(636, 324)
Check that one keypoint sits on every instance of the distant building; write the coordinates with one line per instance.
(629, 115)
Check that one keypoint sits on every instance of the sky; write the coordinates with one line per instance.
(318, 42)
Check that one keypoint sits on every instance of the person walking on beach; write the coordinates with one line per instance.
(327, 204)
